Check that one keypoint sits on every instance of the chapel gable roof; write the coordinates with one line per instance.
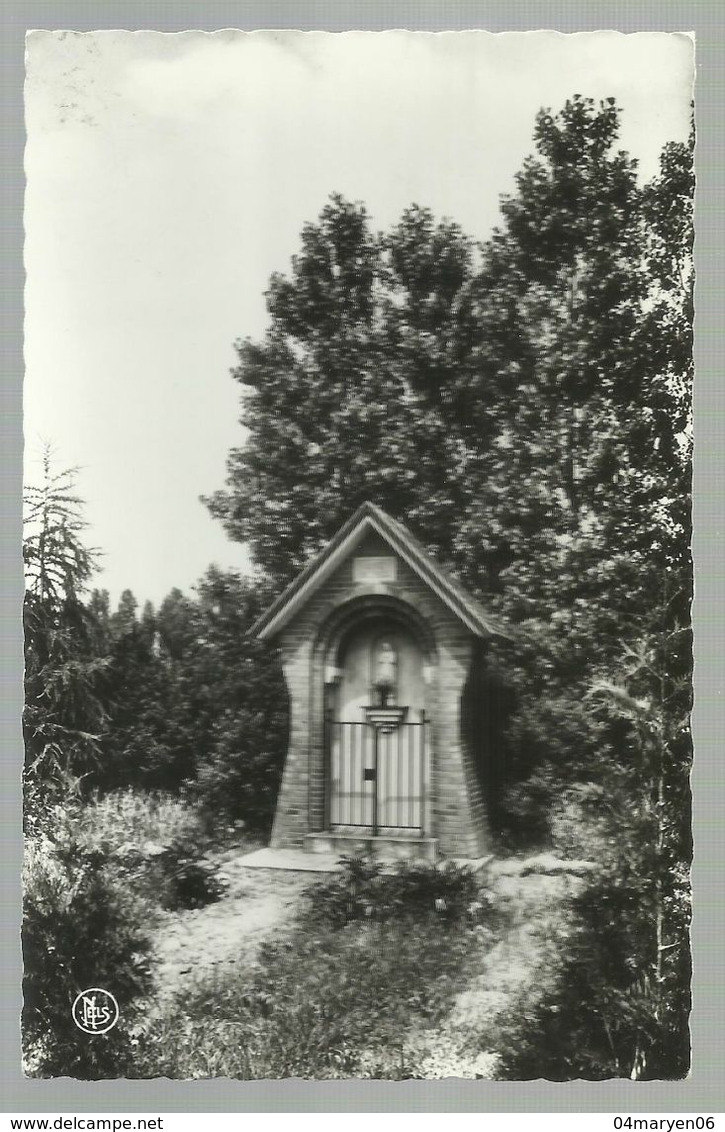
(370, 518)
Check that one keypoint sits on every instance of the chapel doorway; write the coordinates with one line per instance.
(377, 733)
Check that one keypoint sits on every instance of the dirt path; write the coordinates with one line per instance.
(257, 902)
(464, 1045)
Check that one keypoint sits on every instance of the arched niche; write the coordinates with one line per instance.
(348, 644)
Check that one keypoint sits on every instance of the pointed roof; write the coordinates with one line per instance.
(367, 518)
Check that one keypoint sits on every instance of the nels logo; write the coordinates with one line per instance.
(95, 1011)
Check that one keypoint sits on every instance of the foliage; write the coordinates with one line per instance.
(611, 1006)
(589, 485)
(58, 565)
(64, 659)
(483, 403)
(195, 703)
(188, 879)
(81, 929)
(366, 889)
(242, 698)
(525, 407)
(147, 741)
(111, 821)
(155, 844)
(324, 1002)
(619, 1003)
(507, 402)
(341, 397)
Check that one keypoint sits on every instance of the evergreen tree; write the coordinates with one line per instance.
(152, 734)
(64, 659)
(241, 699)
(124, 620)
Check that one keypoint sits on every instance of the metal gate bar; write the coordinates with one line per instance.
(375, 779)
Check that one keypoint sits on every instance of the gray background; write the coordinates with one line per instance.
(702, 1092)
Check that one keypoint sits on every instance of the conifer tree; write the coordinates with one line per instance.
(64, 659)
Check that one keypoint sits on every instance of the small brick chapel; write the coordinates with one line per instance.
(378, 646)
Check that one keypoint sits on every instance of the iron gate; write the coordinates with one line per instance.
(376, 778)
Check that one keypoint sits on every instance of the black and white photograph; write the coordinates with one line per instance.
(357, 520)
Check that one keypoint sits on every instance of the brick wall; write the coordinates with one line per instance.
(456, 805)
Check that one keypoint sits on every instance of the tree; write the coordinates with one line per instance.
(82, 927)
(241, 696)
(618, 996)
(140, 743)
(560, 298)
(124, 620)
(599, 575)
(524, 406)
(514, 412)
(508, 404)
(342, 398)
(64, 661)
(583, 491)
(193, 703)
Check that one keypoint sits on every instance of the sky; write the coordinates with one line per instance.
(168, 176)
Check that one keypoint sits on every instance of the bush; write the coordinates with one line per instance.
(239, 778)
(606, 1008)
(368, 890)
(154, 844)
(187, 878)
(114, 821)
(81, 929)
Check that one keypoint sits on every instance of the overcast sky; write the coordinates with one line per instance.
(170, 175)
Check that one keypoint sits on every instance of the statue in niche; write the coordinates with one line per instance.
(385, 672)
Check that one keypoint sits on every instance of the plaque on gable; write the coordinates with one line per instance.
(374, 569)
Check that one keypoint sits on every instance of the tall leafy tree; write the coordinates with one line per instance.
(590, 280)
(506, 403)
(342, 398)
(559, 300)
(524, 405)
(581, 494)
(513, 410)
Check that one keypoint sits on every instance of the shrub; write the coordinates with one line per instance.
(122, 818)
(238, 780)
(608, 1006)
(374, 958)
(366, 889)
(188, 879)
(80, 930)
(154, 844)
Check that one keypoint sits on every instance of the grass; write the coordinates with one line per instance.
(411, 973)
(316, 1006)
(416, 972)
(326, 1001)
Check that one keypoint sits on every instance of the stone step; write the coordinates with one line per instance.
(384, 846)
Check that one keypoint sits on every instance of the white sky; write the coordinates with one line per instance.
(170, 175)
